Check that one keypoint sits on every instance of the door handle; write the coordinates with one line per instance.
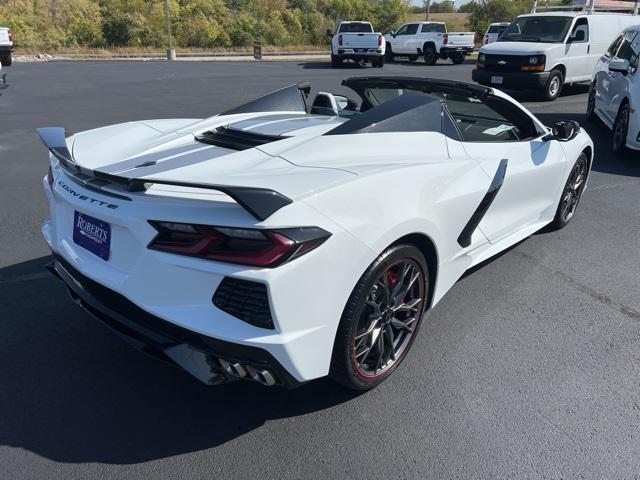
(588, 48)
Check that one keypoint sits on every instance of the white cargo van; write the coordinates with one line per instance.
(546, 50)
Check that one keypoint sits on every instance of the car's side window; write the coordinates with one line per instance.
(613, 48)
(490, 120)
(432, 27)
(412, 29)
(580, 31)
(402, 30)
(629, 49)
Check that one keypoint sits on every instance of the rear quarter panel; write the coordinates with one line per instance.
(435, 200)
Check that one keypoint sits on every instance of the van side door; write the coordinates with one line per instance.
(577, 48)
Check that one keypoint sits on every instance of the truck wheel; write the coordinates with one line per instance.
(388, 54)
(457, 58)
(430, 55)
(336, 61)
(413, 58)
(6, 60)
(378, 62)
(554, 85)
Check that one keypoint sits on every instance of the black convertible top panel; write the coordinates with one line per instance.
(405, 113)
(288, 99)
(359, 84)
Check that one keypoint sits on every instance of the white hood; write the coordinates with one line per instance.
(517, 48)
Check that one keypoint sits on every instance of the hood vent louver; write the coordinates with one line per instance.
(236, 139)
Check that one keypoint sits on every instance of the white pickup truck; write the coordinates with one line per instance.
(357, 41)
(6, 46)
(431, 40)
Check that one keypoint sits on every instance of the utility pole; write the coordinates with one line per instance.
(171, 52)
(427, 7)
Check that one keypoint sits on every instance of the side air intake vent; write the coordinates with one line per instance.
(236, 139)
(245, 300)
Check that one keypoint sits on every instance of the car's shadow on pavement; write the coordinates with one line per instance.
(74, 392)
(357, 66)
(327, 66)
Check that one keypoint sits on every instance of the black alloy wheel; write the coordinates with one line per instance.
(572, 193)
(381, 318)
(620, 130)
(591, 103)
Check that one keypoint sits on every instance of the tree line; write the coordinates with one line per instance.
(195, 23)
(210, 24)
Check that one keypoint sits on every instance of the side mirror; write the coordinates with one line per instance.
(620, 65)
(329, 33)
(578, 37)
(563, 131)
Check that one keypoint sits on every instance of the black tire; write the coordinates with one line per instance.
(620, 130)
(591, 104)
(571, 193)
(457, 58)
(388, 53)
(430, 55)
(378, 62)
(6, 60)
(336, 61)
(413, 58)
(553, 87)
(358, 327)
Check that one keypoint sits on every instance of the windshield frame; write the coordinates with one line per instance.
(569, 21)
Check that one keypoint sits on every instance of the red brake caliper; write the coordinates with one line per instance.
(392, 278)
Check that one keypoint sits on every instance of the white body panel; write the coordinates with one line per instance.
(411, 38)
(368, 190)
(576, 59)
(4, 37)
(493, 32)
(615, 88)
(369, 44)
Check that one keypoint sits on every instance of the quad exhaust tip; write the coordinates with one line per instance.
(236, 369)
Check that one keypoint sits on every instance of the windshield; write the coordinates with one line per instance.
(536, 29)
(356, 28)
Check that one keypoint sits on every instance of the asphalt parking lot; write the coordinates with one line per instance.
(528, 368)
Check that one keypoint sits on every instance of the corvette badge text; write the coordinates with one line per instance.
(86, 198)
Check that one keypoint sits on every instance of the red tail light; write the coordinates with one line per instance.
(340, 40)
(445, 38)
(246, 246)
(10, 36)
(379, 40)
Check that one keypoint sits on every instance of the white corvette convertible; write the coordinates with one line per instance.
(286, 240)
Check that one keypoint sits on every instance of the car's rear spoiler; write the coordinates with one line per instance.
(261, 203)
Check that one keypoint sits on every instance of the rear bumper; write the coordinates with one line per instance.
(454, 49)
(198, 354)
(526, 80)
(357, 55)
